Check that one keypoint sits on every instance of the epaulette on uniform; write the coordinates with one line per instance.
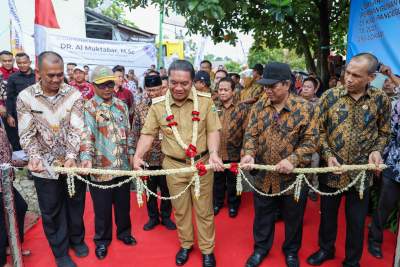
(158, 99)
(204, 94)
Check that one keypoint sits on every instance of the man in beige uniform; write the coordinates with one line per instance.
(182, 99)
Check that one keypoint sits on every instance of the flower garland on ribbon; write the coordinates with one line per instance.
(190, 149)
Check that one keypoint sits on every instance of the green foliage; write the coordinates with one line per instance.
(264, 55)
(114, 11)
(232, 66)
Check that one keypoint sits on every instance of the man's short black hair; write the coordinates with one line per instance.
(312, 80)
(53, 56)
(259, 68)
(183, 65)
(224, 71)
(22, 54)
(234, 74)
(119, 68)
(86, 66)
(229, 80)
(72, 63)
(5, 52)
(206, 61)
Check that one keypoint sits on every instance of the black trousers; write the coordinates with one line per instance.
(20, 210)
(103, 200)
(388, 200)
(62, 216)
(153, 183)
(265, 217)
(356, 211)
(225, 182)
(12, 134)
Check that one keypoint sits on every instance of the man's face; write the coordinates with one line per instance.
(86, 68)
(153, 92)
(356, 76)
(51, 75)
(205, 67)
(277, 92)
(218, 76)
(332, 83)
(164, 87)
(105, 90)
(119, 78)
(225, 92)
(200, 86)
(388, 87)
(256, 76)
(23, 64)
(308, 90)
(7, 61)
(236, 79)
(180, 84)
(70, 70)
(79, 76)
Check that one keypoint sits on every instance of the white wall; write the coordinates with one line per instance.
(70, 15)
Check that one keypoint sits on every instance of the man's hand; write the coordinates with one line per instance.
(35, 165)
(386, 70)
(216, 162)
(87, 164)
(70, 163)
(332, 162)
(376, 158)
(11, 121)
(3, 111)
(137, 163)
(246, 163)
(284, 166)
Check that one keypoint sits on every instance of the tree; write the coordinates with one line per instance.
(264, 55)
(232, 66)
(311, 28)
(114, 11)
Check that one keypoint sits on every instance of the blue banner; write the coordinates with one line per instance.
(374, 27)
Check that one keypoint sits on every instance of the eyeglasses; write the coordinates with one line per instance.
(105, 86)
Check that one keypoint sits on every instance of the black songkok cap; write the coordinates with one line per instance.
(152, 81)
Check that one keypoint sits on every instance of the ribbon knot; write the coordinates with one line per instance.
(195, 113)
(173, 123)
(195, 119)
(170, 118)
(234, 168)
(201, 168)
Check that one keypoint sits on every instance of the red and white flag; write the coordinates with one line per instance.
(45, 18)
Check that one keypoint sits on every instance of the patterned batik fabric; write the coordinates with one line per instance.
(272, 136)
(154, 157)
(106, 140)
(392, 151)
(350, 130)
(234, 120)
(50, 128)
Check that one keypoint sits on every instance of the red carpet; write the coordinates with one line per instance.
(234, 242)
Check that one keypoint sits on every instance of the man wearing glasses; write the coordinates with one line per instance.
(106, 144)
(282, 131)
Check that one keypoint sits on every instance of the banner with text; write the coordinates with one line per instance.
(374, 27)
(87, 51)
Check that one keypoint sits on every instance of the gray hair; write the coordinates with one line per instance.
(373, 62)
(51, 56)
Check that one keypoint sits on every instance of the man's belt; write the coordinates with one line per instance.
(187, 161)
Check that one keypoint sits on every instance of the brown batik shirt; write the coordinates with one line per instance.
(272, 136)
(350, 130)
(234, 121)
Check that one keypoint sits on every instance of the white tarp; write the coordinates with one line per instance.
(87, 51)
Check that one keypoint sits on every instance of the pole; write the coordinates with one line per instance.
(160, 36)
(397, 252)
(7, 173)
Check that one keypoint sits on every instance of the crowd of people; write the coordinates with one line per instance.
(108, 119)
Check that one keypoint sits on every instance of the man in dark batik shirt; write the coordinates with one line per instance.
(354, 129)
(282, 131)
(233, 116)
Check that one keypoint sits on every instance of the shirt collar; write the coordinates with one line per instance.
(344, 92)
(288, 105)
(190, 97)
(62, 91)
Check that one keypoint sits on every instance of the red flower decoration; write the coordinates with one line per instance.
(195, 113)
(234, 168)
(170, 118)
(191, 151)
(195, 119)
(173, 123)
(145, 178)
(201, 168)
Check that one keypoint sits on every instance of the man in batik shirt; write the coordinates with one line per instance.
(354, 125)
(282, 131)
(154, 158)
(106, 145)
(233, 116)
